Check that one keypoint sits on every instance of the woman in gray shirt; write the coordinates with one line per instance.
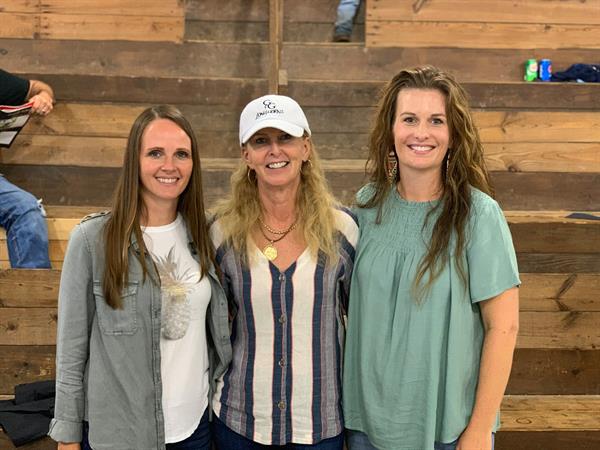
(134, 363)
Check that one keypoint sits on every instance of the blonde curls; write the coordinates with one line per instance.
(315, 205)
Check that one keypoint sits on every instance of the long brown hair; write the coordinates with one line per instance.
(127, 206)
(465, 162)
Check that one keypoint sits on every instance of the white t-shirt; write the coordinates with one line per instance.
(184, 356)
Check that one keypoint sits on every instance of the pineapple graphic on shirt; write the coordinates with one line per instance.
(175, 286)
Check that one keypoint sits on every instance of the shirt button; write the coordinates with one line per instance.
(281, 277)
(281, 405)
(282, 362)
(282, 318)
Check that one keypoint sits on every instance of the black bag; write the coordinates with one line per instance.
(589, 73)
(27, 417)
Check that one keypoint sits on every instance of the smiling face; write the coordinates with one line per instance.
(421, 132)
(276, 157)
(165, 164)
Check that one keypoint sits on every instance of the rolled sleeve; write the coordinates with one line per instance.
(75, 312)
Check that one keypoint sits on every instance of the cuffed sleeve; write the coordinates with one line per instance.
(65, 431)
(75, 312)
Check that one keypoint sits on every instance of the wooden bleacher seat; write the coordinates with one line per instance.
(541, 141)
(545, 241)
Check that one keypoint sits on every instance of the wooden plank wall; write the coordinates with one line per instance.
(522, 24)
(541, 142)
(133, 20)
(306, 21)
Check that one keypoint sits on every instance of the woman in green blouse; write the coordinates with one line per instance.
(433, 313)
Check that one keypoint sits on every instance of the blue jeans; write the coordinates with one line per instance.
(345, 16)
(198, 440)
(357, 440)
(226, 439)
(22, 216)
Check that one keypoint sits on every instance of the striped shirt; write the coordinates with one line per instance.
(284, 383)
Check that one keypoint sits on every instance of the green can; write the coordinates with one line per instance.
(531, 70)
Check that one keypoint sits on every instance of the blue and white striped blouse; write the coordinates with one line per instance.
(284, 383)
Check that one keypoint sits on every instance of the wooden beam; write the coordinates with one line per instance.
(529, 11)
(503, 127)
(541, 330)
(554, 372)
(468, 65)
(28, 326)
(560, 292)
(579, 263)
(275, 43)
(547, 440)
(68, 185)
(564, 330)
(546, 292)
(25, 364)
(131, 58)
(64, 150)
(165, 8)
(480, 35)
(29, 288)
(547, 412)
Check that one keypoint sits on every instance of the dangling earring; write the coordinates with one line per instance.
(248, 175)
(447, 163)
(392, 167)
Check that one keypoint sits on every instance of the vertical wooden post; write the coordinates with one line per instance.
(275, 41)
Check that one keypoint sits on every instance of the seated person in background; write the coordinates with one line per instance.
(21, 215)
(345, 19)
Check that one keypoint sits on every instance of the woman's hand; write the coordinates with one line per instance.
(69, 446)
(475, 440)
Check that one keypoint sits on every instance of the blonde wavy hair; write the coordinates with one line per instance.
(315, 203)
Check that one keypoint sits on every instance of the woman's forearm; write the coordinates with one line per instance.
(496, 363)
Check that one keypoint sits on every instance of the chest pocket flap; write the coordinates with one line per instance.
(117, 321)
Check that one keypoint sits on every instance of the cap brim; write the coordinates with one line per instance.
(289, 128)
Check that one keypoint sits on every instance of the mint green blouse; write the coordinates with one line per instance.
(411, 368)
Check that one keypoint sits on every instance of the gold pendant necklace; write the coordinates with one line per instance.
(269, 250)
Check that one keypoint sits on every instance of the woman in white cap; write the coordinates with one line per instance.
(286, 250)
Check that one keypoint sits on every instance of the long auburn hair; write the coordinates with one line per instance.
(124, 221)
(465, 166)
(238, 213)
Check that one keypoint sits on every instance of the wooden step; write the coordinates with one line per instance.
(535, 234)
(539, 292)
(134, 20)
(481, 35)
(488, 24)
(78, 186)
(531, 417)
(236, 92)
(559, 311)
(518, 157)
(495, 126)
(305, 21)
(251, 60)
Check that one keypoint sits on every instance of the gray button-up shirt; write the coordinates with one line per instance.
(108, 360)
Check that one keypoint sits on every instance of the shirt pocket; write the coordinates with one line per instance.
(117, 321)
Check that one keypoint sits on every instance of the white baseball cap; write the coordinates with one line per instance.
(272, 111)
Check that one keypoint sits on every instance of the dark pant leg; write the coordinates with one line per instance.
(227, 439)
(199, 439)
(334, 443)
